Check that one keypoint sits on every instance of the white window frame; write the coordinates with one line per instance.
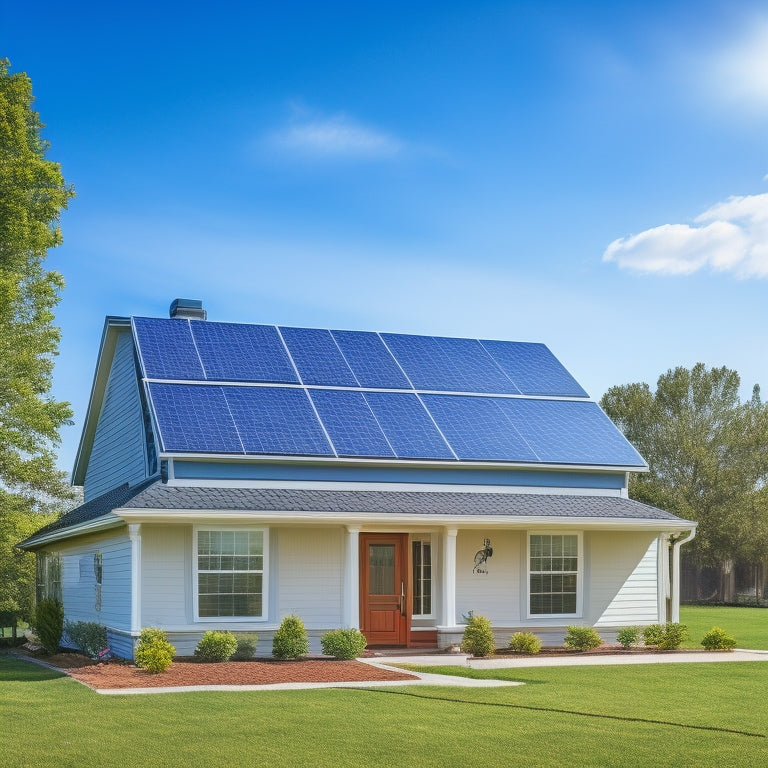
(426, 539)
(579, 575)
(264, 574)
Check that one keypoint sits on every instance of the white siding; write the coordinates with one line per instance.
(498, 593)
(166, 575)
(79, 584)
(309, 575)
(118, 449)
(622, 584)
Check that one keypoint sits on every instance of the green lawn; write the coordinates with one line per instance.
(748, 625)
(684, 715)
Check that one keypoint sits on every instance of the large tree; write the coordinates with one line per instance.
(708, 456)
(32, 195)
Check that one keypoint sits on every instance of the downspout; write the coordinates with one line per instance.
(676, 572)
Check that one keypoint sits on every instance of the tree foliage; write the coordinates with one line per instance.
(708, 456)
(32, 196)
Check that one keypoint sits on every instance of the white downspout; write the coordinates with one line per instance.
(676, 573)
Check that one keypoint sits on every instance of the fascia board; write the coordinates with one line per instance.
(91, 526)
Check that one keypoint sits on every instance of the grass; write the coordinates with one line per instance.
(590, 716)
(748, 625)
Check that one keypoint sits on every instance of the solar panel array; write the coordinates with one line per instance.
(227, 388)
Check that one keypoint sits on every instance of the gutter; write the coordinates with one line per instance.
(676, 572)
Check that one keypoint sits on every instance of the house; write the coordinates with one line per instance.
(234, 474)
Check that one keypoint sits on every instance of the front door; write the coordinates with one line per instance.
(384, 588)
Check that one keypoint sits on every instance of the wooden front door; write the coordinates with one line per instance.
(384, 589)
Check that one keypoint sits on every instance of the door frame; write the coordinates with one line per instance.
(403, 542)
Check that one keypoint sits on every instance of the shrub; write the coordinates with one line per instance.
(291, 639)
(89, 637)
(718, 640)
(49, 623)
(216, 646)
(653, 634)
(154, 653)
(246, 647)
(478, 637)
(673, 637)
(628, 636)
(524, 642)
(343, 643)
(582, 639)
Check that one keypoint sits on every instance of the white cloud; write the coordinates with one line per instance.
(731, 236)
(337, 136)
(739, 72)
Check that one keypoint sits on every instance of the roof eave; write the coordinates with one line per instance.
(110, 520)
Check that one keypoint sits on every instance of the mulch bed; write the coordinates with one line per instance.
(117, 674)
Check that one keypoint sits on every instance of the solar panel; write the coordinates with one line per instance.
(563, 431)
(477, 429)
(276, 420)
(350, 423)
(240, 352)
(317, 357)
(533, 368)
(166, 349)
(370, 360)
(448, 365)
(194, 417)
(407, 425)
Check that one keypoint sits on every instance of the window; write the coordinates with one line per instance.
(553, 573)
(49, 576)
(230, 573)
(422, 578)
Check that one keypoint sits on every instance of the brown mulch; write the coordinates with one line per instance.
(118, 674)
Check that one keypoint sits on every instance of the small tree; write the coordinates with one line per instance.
(478, 637)
(49, 623)
(290, 641)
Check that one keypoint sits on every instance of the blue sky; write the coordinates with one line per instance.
(590, 175)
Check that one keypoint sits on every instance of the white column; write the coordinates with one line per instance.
(134, 533)
(662, 586)
(350, 608)
(448, 587)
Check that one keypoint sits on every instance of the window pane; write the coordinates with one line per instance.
(552, 568)
(381, 569)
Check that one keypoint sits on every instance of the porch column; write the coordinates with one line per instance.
(448, 587)
(350, 607)
(134, 534)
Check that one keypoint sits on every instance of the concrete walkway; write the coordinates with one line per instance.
(462, 660)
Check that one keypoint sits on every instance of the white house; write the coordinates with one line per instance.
(236, 473)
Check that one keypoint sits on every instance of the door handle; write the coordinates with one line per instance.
(402, 599)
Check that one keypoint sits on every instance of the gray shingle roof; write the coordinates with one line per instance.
(159, 496)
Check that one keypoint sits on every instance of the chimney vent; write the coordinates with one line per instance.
(188, 309)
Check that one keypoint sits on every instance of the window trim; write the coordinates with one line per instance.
(264, 575)
(579, 574)
(427, 538)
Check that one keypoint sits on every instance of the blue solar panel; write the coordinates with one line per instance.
(167, 349)
(477, 429)
(317, 357)
(194, 417)
(408, 427)
(448, 365)
(276, 420)
(370, 360)
(349, 422)
(240, 352)
(533, 368)
(572, 432)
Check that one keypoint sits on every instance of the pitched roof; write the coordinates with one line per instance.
(428, 503)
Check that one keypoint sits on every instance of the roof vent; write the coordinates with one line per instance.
(188, 309)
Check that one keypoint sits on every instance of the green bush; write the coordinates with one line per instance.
(478, 637)
(89, 637)
(246, 647)
(216, 646)
(291, 639)
(154, 653)
(49, 623)
(524, 642)
(718, 640)
(343, 643)
(653, 634)
(673, 637)
(628, 636)
(582, 639)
